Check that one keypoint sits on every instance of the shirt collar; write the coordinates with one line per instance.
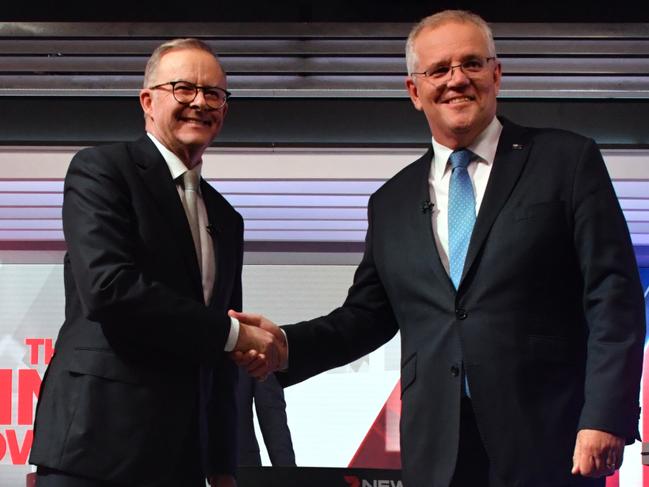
(484, 146)
(176, 167)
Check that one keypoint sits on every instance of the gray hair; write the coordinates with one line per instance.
(437, 20)
(154, 61)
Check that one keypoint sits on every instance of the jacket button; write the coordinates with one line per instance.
(455, 370)
(461, 314)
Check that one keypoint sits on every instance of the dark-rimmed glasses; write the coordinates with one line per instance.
(185, 93)
(471, 67)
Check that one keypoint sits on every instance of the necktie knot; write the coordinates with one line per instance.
(190, 180)
(460, 158)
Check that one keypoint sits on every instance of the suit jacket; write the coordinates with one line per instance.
(548, 319)
(270, 406)
(139, 360)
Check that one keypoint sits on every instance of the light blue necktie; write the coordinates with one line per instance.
(461, 213)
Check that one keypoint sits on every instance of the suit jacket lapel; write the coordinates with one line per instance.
(157, 179)
(424, 239)
(511, 156)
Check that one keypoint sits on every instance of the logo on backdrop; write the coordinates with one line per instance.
(354, 481)
(19, 387)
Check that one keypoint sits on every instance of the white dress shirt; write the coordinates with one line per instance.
(208, 260)
(479, 169)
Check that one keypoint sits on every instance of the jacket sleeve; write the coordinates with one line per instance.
(613, 301)
(363, 323)
(223, 410)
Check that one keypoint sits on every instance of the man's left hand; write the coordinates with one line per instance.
(222, 481)
(597, 453)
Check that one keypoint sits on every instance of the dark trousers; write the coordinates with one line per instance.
(53, 478)
(472, 468)
(46, 477)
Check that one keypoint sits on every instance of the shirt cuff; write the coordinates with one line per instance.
(233, 336)
(284, 366)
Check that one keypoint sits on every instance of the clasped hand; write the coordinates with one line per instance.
(261, 348)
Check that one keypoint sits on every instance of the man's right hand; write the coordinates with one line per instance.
(263, 348)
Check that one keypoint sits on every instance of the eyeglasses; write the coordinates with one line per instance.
(185, 93)
(471, 67)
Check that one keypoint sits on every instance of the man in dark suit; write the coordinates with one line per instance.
(270, 405)
(503, 258)
(141, 391)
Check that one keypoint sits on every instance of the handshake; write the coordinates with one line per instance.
(261, 347)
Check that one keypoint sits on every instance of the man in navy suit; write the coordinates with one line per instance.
(141, 390)
(270, 406)
(522, 351)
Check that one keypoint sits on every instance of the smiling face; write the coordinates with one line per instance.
(459, 108)
(186, 130)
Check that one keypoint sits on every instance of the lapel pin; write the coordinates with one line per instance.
(517, 146)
